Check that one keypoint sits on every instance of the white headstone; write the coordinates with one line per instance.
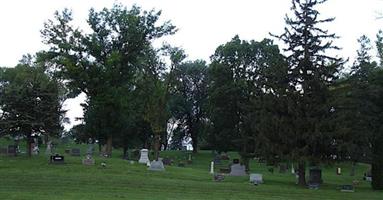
(212, 167)
(256, 178)
(292, 169)
(143, 156)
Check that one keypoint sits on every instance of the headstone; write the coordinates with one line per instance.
(292, 169)
(315, 176)
(57, 159)
(212, 167)
(156, 166)
(237, 170)
(75, 152)
(338, 171)
(12, 150)
(256, 178)
(143, 156)
(88, 160)
(181, 164)
(347, 188)
(219, 177)
(167, 161)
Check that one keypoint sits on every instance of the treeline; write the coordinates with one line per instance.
(299, 106)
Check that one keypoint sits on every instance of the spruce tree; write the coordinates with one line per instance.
(311, 72)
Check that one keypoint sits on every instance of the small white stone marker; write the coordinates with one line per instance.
(212, 167)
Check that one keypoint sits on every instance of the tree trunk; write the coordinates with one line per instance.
(302, 174)
(353, 168)
(125, 151)
(29, 147)
(109, 142)
(156, 145)
(194, 137)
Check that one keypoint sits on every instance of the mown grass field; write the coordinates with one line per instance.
(33, 178)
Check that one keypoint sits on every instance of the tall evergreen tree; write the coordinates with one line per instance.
(311, 72)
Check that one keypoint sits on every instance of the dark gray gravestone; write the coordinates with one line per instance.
(347, 188)
(157, 166)
(75, 152)
(237, 170)
(57, 159)
(315, 176)
(12, 150)
(219, 177)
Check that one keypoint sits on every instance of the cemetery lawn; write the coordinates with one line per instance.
(33, 178)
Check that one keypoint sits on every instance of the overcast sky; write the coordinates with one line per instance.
(202, 24)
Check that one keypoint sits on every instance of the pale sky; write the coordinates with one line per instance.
(202, 24)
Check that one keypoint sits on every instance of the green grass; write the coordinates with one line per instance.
(33, 178)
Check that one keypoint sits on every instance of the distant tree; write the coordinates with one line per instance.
(311, 73)
(30, 102)
(188, 99)
(244, 77)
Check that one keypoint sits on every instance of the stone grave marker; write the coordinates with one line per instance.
(143, 156)
(338, 171)
(57, 159)
(347, 188)
(212, 167)
(315, 176)
(75, 152)
(88, 160)
(219, 177)
(12, 150)
(256, 179)
(156, 165)
(237, 170)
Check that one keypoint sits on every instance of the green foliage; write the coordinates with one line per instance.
(111, 64)
(30, 102)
